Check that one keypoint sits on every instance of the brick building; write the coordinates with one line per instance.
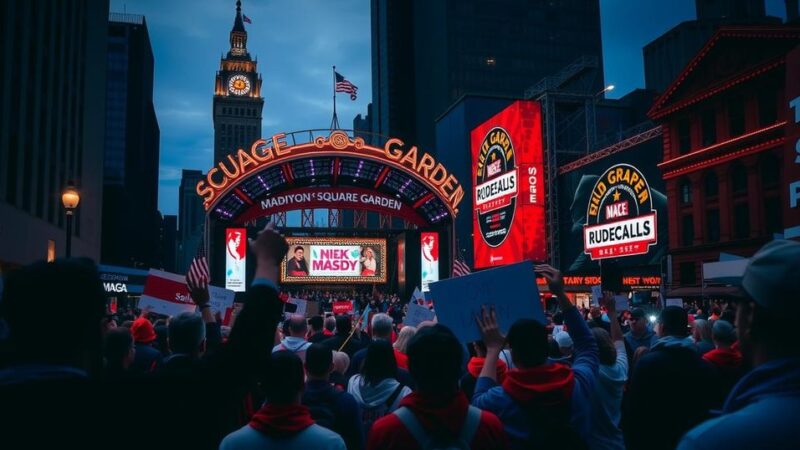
(724, 124)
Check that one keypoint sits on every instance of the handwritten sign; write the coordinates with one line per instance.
(417, 314)
(511, 289)
(621, 303)
(220, 301)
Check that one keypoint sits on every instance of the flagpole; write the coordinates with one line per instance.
(334, 120)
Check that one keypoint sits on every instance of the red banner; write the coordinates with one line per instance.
(508, 192)
(342, 307)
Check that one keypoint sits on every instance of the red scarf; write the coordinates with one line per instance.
(402, 359)
(549, 384)
(475, 365)
(725, 359)
(281, 421)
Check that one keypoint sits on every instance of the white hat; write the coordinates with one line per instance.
(771, 278)
(563, 339)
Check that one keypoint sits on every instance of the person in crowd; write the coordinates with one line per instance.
(47, 369)
(607, 399)
(316, 334)
(715, 314)
(148, 357)
(187, 339)
(565, 349)
(541, 405)
(725, 359)
(475, 366)
(108, 324)
(330, 326)
(656, 393)
(295, 330)
(331, 408)
(437, 414)
(762, 409)
(118, 352)
(376, 388)
(558, 323)
(597, 319)
(382, 329)
(162, 337)
(341, 362)
(701, 334)
(283, 422)
(343, 341)
(640, 334)
(401, 346)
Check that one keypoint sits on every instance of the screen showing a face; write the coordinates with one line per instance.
(334, 260)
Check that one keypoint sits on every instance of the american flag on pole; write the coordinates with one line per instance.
(460, 268)
(198, 269)
(344, 86)
(246, 19)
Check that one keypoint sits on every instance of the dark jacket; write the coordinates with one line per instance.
(347, 413)
(335, 342)
(318, 338)
(658, 411)
(148, 359)
(357, 361)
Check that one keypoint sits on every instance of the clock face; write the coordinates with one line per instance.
(238, 85)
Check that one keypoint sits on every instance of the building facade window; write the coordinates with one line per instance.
(741, 221)
(711, 183)
(688, 274)
(770, 171)
(687, 230)
(686, 192)
(773, 216)
(736, 117)
(684, 136)
(767, 107)
(709, 123)
(712, 225)
(739, 179)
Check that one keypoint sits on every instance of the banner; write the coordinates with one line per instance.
(332, 260)
(511, 289)
(343, 307)
(417, 314)
(235, 258)
(429, 258)
(508, 193)
(166, 293)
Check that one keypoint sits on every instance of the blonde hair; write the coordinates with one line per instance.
(340, 362)
(406, 333)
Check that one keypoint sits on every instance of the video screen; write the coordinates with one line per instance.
(334, 260)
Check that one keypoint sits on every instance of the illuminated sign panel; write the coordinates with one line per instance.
(792, 150)
(620, 219)
(235, 259)
(429, 259)
(334, 260)
(508, 187)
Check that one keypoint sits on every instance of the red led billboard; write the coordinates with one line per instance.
(508, 187)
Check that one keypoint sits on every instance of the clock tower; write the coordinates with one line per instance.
(237, 95)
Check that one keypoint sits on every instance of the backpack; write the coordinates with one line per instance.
(370, 415)
(441, 442)
(323, 410)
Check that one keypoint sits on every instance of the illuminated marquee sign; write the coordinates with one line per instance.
(792, 152)
(429, 259)
(620, 219)
(422, 166)
(334, 260)
(508, 190)
(593, 280)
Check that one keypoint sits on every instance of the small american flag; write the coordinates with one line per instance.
(460, 268)
(342, 85)
(198, 270)
(246, 19)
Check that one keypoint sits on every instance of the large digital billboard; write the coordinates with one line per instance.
(508, 187)
(429, 259)
(614, 208)
(334, 260)
(235, 259)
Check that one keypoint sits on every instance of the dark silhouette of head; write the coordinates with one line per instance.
(319, 361)
(316, 323)
(435, 357)
(379, 363)
(284, 381)
(528, 341)
(343, 325)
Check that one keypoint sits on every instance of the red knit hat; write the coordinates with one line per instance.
(143, 331)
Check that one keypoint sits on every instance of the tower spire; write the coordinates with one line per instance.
(238, 33)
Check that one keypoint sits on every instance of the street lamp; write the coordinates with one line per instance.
(70, 199)
(591, 140)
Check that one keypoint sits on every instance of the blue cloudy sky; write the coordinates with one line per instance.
(296, 43)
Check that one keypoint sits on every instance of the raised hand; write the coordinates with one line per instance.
(553, 276)
(198, 290)
(269, 246)
(490, 330)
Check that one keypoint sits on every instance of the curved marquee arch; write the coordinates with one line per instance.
(335, 170)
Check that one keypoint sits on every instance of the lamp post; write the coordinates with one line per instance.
(591, 105)
(70, 199)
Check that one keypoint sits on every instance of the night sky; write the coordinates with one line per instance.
(296, 43)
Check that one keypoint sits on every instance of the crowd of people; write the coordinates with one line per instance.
(724, 377)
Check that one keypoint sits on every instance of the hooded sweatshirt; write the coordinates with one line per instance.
(373, 398)
(724, 359)
(389, 433)
(287, 427)
(296, 345)
(607, 403)
(548, 383)
(760, 412)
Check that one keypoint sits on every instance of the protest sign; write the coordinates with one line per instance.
(300, 306)
(220, 300)
(621, 303)
(511, 289)
(675, 302)
(166, 293)
(343, 307)
(416, 296)
(417, 314)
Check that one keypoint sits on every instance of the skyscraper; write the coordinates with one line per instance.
(237, 95)
(496, 48)
(52, 98)
(131, 220)
(191, 218)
